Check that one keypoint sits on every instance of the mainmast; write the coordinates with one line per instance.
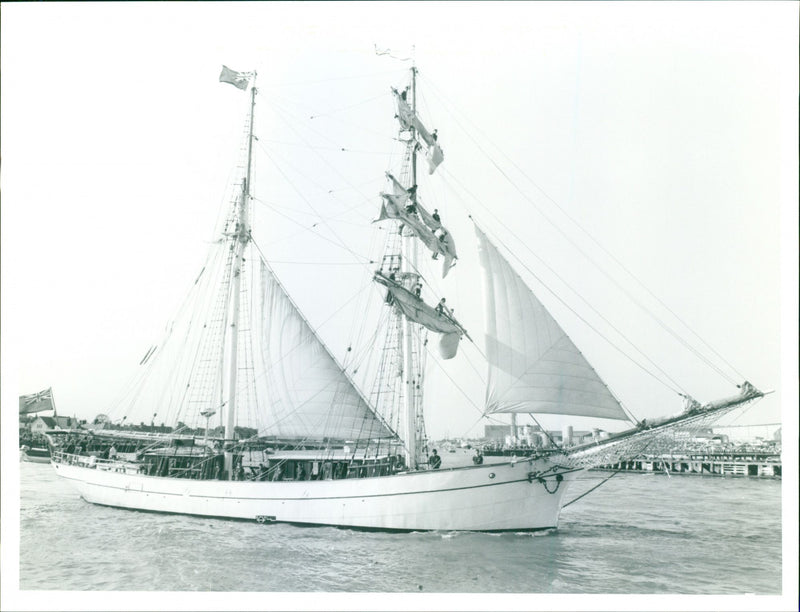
(241, 237)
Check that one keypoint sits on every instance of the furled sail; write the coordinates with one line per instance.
(310, 396)
(748, 392)
(399, 205)
(435, 156)
(405, 115)
(533, 365)
(409, 120)
(434, 319)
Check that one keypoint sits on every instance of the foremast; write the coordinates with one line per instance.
(400, 274)
(240, 238)
(409, 262)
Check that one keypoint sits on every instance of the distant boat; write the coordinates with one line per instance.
(34, 454)
(326, 452)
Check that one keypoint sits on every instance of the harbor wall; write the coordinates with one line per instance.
(710, 464)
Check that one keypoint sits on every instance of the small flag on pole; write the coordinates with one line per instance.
(36, 402)
(237, 79)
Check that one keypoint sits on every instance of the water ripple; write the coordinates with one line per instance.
(670, 536)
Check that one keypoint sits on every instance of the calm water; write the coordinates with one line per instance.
(636, 534)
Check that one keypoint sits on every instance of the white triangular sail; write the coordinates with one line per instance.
(533, 365)
(309, 394)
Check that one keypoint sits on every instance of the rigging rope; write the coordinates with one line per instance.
(671, 387)
(313, 329)
(348, 107)
(329, 79)
(553, 442)
(469, 399)
(357, 327)
(599, 333)
(590, 490)
(599, 314)
(302, 196)
(659, 321)
(339, 244)
(639, 451)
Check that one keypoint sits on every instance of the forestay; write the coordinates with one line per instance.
(533, 365)
(310, 396)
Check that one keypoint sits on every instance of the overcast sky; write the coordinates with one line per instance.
(661, 129)
(668, 131)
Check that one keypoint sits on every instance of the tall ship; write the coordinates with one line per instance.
(266, 424)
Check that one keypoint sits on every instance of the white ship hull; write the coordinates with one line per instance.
(495, 497)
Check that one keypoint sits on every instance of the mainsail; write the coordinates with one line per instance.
(310, 396)
(534, 367)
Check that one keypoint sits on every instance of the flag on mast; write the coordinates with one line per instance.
(237, 79)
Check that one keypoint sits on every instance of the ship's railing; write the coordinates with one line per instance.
(141, 435)
(95, 462)
(282, 469)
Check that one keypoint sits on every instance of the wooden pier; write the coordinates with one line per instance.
(748, 464)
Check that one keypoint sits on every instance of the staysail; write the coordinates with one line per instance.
(310, 396)
(534, 367)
